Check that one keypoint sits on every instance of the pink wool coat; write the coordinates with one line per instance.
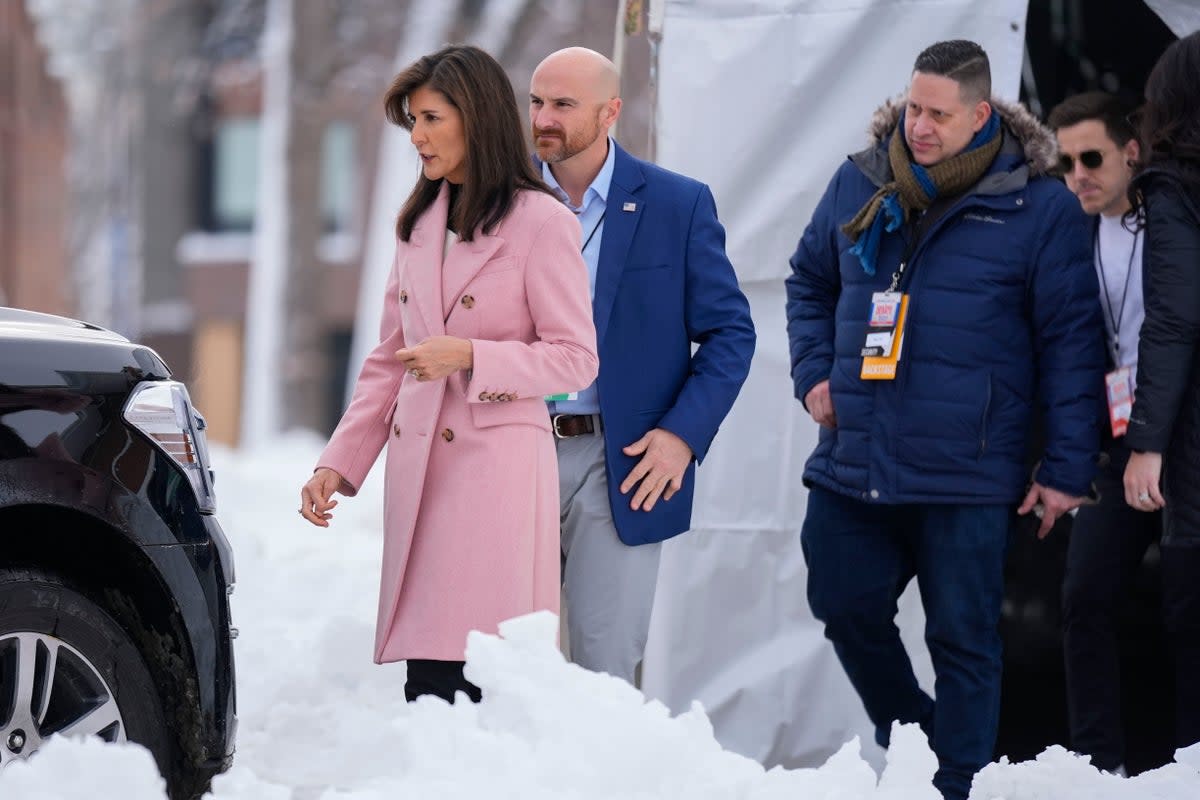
(471, 516)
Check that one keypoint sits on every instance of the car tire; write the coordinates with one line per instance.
(35, 602)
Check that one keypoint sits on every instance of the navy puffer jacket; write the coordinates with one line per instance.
(1003, 313)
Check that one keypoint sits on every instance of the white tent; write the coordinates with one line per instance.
(1181, 16)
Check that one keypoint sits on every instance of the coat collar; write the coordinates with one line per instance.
(437, 285)
(1034, 142)
(1029, 149)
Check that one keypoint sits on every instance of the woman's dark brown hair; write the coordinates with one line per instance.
(1170, 120)
(498, 164)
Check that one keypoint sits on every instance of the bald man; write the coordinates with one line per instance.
(661, 283)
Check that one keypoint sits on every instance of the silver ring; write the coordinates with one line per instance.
(416, 373)
(1144, 497)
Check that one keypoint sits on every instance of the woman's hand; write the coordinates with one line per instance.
(437, 357)
(316, 496)
(1141, 482)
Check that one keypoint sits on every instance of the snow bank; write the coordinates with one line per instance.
(1058, 774)
(84, 769)
(319, 721)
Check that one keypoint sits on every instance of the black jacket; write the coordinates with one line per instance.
(1166, 409)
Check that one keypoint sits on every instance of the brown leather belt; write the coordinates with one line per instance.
(566, 426)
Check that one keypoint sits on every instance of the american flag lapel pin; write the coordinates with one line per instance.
(629, 207)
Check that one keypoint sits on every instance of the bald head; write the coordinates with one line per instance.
(589, 70)
(573, 101)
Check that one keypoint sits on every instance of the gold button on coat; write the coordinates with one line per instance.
(396, 430)
(468, 301)
(448, 435)
(403, 296)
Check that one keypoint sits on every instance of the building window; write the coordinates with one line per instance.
(338, 176)
(235, 159)
(235, 173)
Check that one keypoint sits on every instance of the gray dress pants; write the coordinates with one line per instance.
(609, 585)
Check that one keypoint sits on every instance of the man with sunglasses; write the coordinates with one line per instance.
(1098, 151)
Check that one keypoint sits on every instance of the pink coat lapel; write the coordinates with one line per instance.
(429, 275)
(425, 262)
(462, 264)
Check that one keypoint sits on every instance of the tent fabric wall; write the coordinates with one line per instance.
(1181, 16)
(762, 100)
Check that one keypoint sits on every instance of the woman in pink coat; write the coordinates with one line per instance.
(487, 310)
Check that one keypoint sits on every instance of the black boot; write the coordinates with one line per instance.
(441, 678)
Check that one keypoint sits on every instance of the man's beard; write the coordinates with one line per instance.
(567, 146)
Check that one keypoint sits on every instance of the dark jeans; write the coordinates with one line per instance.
(860, 558)
(1107, 544)
(440, 678)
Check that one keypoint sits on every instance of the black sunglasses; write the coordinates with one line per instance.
(1091, 159)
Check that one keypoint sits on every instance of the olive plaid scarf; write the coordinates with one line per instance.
(914, 188)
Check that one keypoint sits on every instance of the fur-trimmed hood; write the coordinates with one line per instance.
(1036, 140)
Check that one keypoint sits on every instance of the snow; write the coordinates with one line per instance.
(319, 721)
(84, 769)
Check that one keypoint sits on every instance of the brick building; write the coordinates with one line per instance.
(33, 187)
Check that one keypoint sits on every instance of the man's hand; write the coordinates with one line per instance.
(1054, 504)
(819, 403)
(437, 357)
(666, 458)
(1142, 474)
(316, 498)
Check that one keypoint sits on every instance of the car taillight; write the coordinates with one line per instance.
(163, 411)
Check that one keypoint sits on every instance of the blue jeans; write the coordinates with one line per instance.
(860, 558)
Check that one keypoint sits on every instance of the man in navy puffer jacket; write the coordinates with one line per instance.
(922, 450)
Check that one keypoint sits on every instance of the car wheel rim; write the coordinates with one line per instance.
(49, 688)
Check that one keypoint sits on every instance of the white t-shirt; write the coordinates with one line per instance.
(1118, 256)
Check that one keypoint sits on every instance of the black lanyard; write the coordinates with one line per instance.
(1116, 318)
(599, 222)
(917, 229)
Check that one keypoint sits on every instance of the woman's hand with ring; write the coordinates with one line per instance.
(1142, 476)
(437, 357)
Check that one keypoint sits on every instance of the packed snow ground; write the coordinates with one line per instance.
(319, 721)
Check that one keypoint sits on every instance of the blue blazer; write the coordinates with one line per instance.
(663, 282)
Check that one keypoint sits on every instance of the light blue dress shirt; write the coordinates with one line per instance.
(591, 219)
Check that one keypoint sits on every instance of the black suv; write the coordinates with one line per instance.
(114, 574)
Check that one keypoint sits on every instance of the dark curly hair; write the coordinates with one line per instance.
(1170, 120)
